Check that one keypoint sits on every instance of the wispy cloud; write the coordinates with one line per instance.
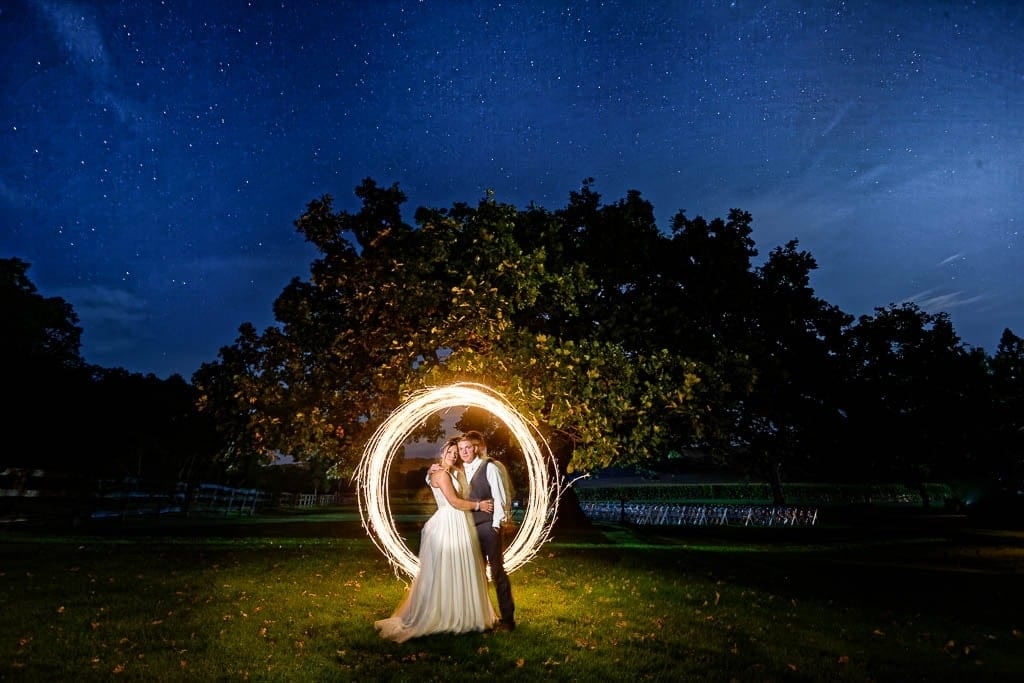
(836, 119)
(113, 319)
(76, 29)
(99, 302)
(78, 33)
(933, 300)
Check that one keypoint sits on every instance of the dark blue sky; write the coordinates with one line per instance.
(153, 155)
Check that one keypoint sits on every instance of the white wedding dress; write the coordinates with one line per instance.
(449, 594)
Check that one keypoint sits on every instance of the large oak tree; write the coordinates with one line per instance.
(484, 293)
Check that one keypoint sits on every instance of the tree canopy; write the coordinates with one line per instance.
(622, 342)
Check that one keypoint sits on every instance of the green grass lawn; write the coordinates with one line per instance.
(294, 599)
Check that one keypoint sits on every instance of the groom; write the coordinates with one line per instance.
(485, 482)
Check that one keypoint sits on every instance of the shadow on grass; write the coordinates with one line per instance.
(931, 564)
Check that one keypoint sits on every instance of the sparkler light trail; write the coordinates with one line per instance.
(372, 473)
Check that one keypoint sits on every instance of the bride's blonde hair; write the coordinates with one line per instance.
(449, 443)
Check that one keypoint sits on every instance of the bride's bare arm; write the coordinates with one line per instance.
(441, 480)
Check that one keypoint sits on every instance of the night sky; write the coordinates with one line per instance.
(154, 155)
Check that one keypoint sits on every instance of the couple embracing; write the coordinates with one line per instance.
(449, 594)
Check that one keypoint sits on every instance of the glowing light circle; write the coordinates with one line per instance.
(375, 466)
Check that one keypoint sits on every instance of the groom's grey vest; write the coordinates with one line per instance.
(480, 489)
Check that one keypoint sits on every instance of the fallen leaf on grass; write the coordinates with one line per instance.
(520, 663)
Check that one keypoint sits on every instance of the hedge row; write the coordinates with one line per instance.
(795, 494)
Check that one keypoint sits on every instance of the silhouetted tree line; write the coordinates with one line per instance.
(82, 424)
(623, 342)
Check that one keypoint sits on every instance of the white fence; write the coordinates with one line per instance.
(669, 514)
(308, 500)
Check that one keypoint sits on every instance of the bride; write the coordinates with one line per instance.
(449, 594)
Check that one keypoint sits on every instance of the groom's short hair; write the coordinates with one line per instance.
(476, 437)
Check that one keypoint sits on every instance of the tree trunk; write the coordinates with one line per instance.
(926, 500)
(570, 513)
